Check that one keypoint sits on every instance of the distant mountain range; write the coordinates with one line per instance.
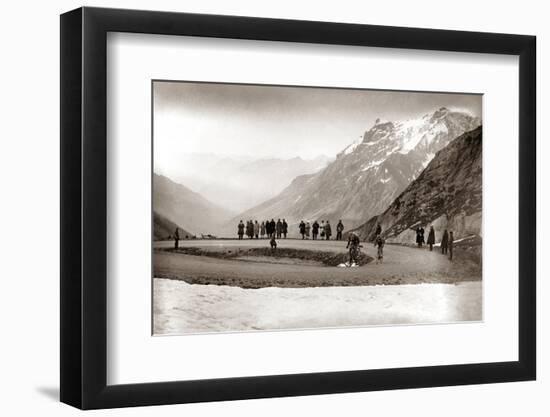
(240, 182)
(447, 195)
(367, 175)
(191, 211)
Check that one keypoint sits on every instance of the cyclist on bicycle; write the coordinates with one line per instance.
(353, 246)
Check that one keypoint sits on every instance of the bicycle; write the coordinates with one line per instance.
(354, 254)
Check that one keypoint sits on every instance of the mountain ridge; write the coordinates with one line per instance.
(368, 174)
(447, 194)
(187, 208)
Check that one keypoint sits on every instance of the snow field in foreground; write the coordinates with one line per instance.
(183, 308)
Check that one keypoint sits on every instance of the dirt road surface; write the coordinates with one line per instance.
(402, 265)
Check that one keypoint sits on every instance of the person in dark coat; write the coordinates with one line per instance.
(315, 230)
(378, 230)
(176, 238)
(250, 229)
(240, 230)
(339, 230)
(451, 244)
(272, 224)
(419, 236)
(302, 228)
(279, 228)
(431, 238)
(445, 242)
(379, 244)
(328, 230)
(285, 228)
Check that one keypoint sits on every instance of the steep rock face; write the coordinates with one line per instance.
(367, 175)
(447, 195)
(186, 208)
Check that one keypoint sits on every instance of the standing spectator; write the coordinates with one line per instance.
(285, 228)
(176, 238)
(272, 225)
(445, 242)
(315, 230)
(302, 227)
(279, 228)
(256, 229)
(322, 229)
(339, 230)
(451, 244)
(262, 230)
(250, 229)
(431, 238)
(419, 237)
(308, 230)
(240, 230)
(379, 243)
(328, 230)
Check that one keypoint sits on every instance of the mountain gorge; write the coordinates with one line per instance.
(369, 174)
(447, 195)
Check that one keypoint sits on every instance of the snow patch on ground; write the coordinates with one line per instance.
(428, 159)
(372, 165)
(183, 308)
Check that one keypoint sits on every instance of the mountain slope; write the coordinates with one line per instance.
(447, 194)
(164, 229)
(186, 208)
(369, 174)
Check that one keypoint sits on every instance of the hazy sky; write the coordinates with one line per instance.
(282, 122)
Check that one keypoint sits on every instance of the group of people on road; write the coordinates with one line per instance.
(322, 230)
(270, 229)
(266, 229)
(447, 240)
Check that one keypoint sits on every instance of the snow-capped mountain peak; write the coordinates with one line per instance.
(429, 132)
(369, 173)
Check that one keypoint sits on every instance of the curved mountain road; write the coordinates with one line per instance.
(402, 265)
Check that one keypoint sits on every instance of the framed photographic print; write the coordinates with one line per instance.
(256, 208)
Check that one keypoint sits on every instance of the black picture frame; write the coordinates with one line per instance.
(83, 310)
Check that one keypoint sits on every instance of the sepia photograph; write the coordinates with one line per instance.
(300, 207)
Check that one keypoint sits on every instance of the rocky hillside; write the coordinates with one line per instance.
(447, 195)
(188, 209)
(366, 176)
(164, 229)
